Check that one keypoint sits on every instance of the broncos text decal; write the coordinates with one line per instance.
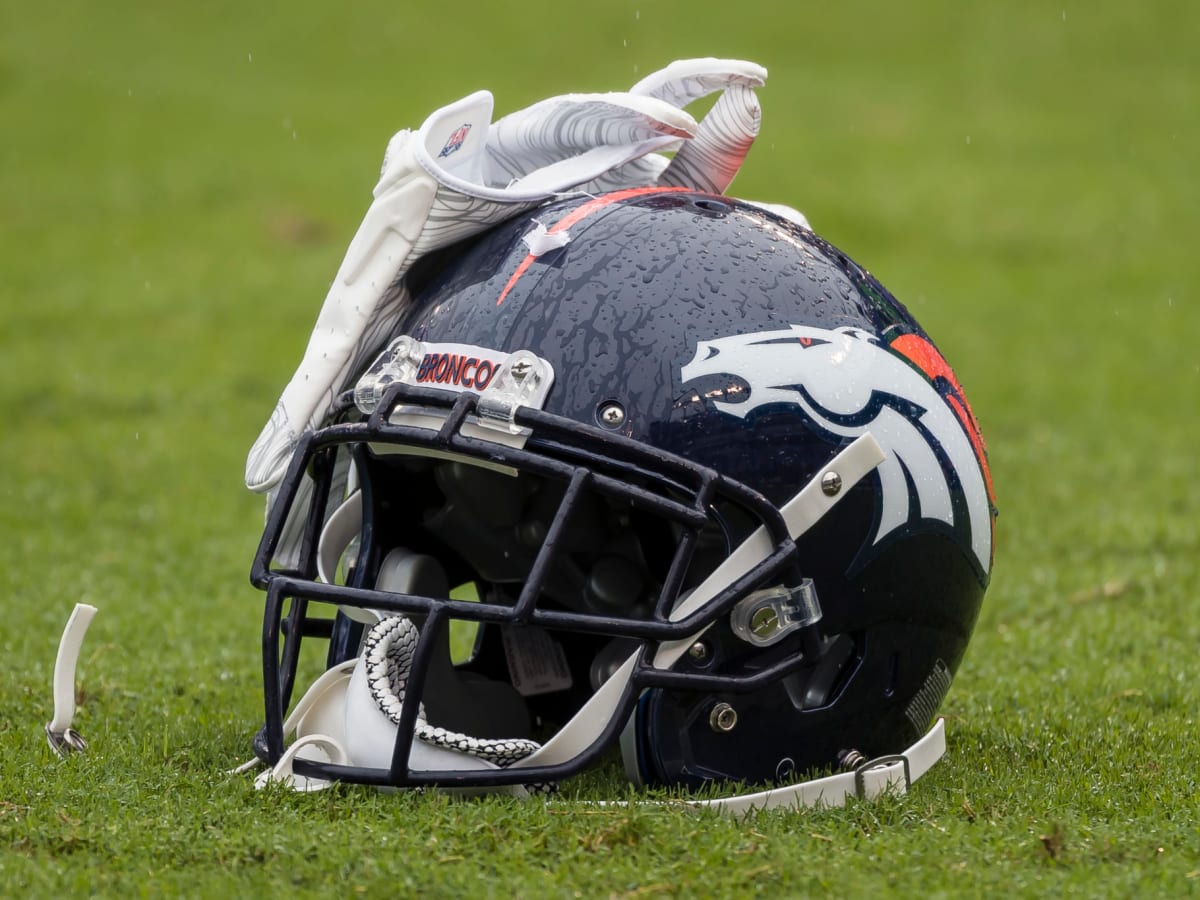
(847, 383)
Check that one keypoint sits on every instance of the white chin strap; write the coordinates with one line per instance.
(886, 774)
(341, 696)
(61, 736)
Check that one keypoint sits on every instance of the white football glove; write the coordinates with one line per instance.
(457, 175)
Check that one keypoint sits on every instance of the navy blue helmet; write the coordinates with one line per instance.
(656, 474)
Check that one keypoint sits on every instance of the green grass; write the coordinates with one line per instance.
(176, 190)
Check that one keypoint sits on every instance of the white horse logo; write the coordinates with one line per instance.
(848, 384)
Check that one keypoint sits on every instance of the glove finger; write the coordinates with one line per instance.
(686, 80)
(713, 157)
(561, 128)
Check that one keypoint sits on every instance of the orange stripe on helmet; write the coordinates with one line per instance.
(582, 212)
(926, 357)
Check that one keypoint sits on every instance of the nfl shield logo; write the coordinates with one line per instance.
(455, 141)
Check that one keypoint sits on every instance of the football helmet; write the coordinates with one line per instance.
(655, 470)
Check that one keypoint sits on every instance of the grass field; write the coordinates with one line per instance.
(177, 186)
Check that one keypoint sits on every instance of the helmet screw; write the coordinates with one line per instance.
(723, 718)
(831, 483)
(521, 369)
(764, 621)
(611, 414)
(698, 651)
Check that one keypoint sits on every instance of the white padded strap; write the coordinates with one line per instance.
(343, 526)
(586, 726)
(59, 733)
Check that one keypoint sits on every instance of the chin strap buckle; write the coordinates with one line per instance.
(863, 780)
(63, 743)
(882, 773)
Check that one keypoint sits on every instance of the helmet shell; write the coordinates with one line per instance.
(731, 336)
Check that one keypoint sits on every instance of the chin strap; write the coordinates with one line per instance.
(867, 780)
(63, 739)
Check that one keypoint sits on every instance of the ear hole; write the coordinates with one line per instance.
(821, 686)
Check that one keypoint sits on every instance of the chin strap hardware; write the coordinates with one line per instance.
(893, 773)
(63, 743)
(62, 738)
(882, 771)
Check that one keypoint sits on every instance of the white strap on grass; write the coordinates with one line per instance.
(886, 774)
(870, 779)
(59, 734)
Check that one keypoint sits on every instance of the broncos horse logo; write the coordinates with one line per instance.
(847, 383)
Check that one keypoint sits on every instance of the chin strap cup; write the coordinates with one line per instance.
(64, 739)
